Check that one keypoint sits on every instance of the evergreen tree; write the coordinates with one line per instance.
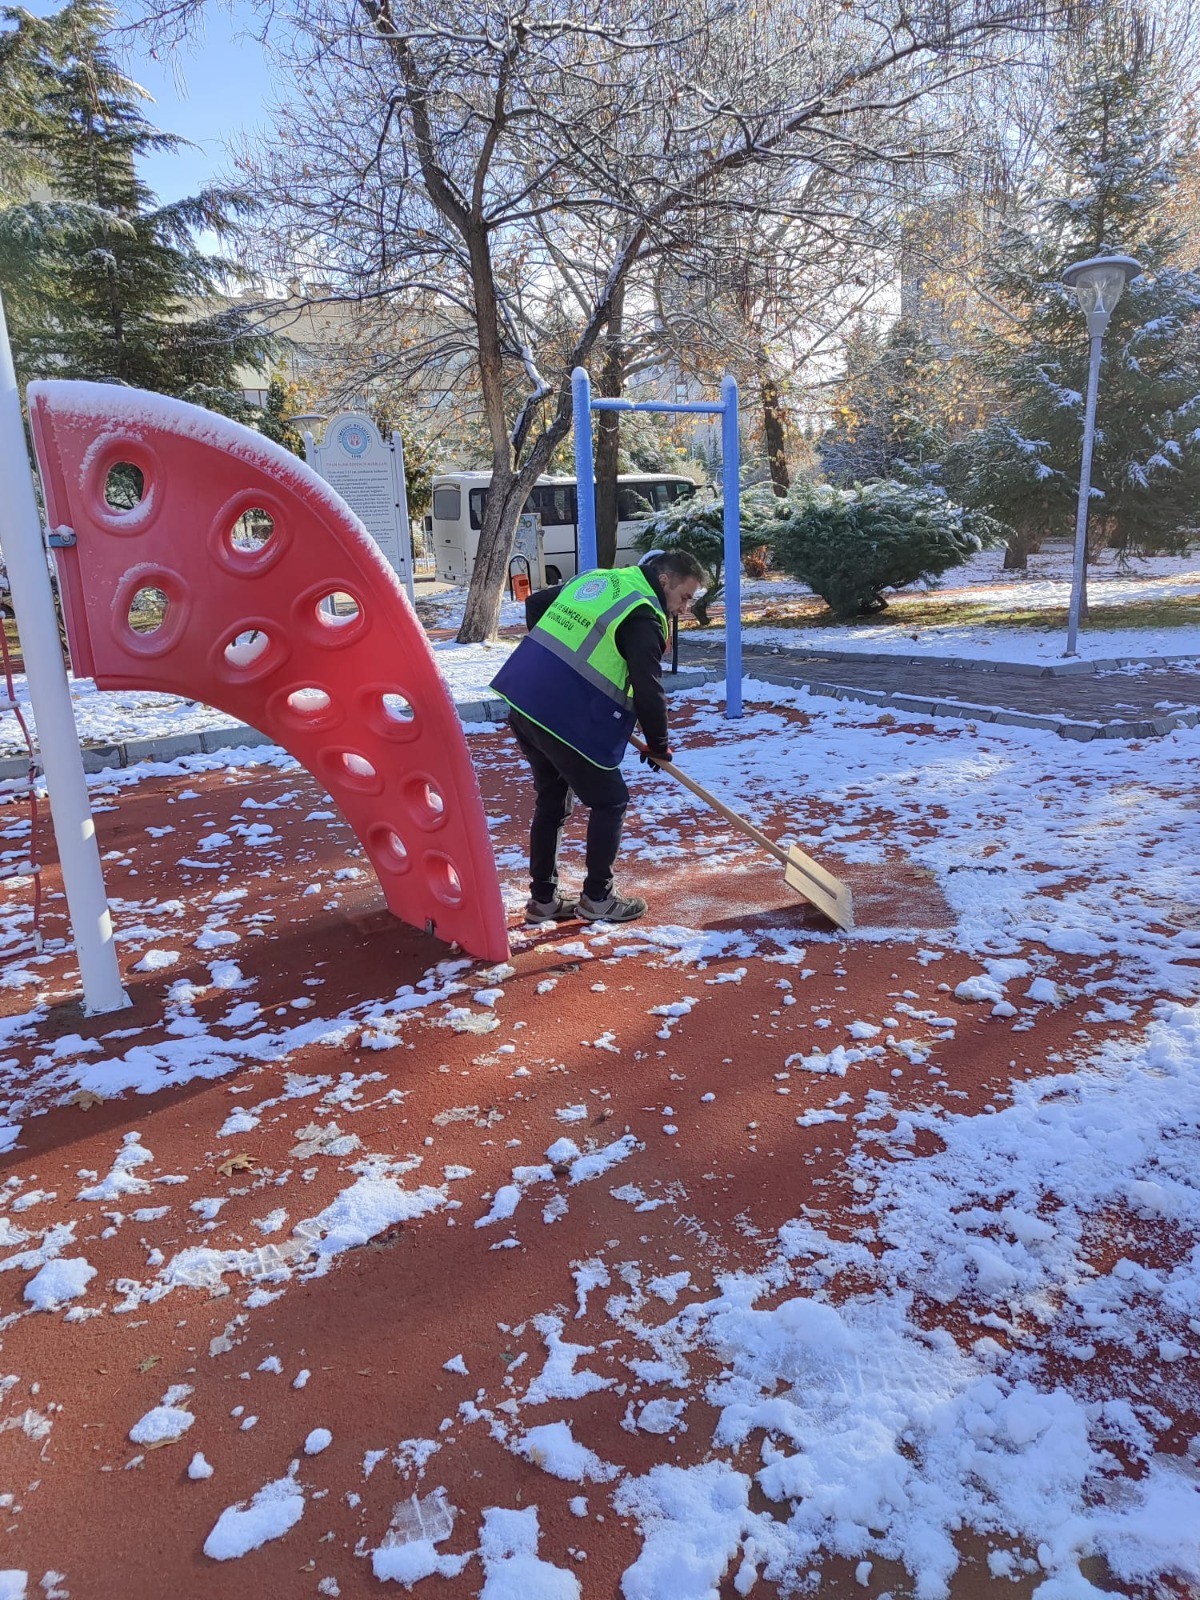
(1115, 164)
(34, 226)
(853, 545)
(283, 401)
(123, 292)
(886, 414)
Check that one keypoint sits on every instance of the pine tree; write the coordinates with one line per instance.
(1116, 159)
(124, 294)
(34, 225)
(853, 545)
(283, 400)
(886, 413)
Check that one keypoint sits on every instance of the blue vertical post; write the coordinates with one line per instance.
(585, 468)
(731, 487)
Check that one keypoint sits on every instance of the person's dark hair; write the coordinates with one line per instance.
(673, 563)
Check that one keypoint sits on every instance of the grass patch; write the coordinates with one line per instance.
(906, 613)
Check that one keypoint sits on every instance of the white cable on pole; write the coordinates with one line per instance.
(33, 604)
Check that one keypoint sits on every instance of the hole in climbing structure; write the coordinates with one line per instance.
(348, 769)
(444, 880)
(309, 702)
(397, 709)
(388, 712)
(357, 766)
(247, 648)
(426, 804)
(338, 609)
(252, 531)
(124, 486)
(389, 849)
(148, 610)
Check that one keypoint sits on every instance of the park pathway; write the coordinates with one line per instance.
(1114, 699)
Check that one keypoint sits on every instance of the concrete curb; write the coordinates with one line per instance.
(109, 757)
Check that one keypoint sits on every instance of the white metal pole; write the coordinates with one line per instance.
(731, 478)
(401, 487)
(62, 763)
(1079, 571)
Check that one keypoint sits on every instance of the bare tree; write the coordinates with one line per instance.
(447, 160)
(769, 292)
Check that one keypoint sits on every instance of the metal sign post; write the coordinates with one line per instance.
(585, 480)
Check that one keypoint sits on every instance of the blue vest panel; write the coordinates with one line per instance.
(549, 691)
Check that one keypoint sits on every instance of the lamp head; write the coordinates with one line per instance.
(305, 421)
(1098, 283)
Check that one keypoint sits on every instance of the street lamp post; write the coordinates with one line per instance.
(1097, 283)
(306, 424)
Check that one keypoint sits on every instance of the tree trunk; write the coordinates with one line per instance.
(775, 434)
(608, 434)
(505, 502)
(509, 490)
(1017, 552)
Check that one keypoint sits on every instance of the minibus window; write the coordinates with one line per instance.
(447, 502)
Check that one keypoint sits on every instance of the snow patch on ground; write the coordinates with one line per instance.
(274, 1510)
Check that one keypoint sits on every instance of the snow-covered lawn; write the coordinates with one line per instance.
(978, 642)
(982, 585)
(1142, 577)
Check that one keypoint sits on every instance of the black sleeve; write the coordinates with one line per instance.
(640, 641)
(539, 603)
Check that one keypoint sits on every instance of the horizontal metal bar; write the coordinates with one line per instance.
(695, 407)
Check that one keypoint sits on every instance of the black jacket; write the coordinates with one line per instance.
(640, 640)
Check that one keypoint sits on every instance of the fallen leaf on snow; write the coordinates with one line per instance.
(239, 1163)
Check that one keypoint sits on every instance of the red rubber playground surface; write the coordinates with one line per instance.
(451, 1288)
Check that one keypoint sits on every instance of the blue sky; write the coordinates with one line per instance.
(208, 92)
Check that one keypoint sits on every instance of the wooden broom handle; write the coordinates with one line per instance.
(746, 826)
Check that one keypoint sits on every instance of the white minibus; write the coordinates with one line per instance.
(459, 499)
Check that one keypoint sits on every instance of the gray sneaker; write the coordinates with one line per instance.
(617, 908)
(556, 910)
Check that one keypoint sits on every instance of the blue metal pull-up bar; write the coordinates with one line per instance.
(585, 489)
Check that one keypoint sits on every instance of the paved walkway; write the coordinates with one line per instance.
(1115, 699)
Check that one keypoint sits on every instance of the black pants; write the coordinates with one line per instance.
(558, 774)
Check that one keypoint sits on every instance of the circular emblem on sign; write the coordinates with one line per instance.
(354, 439)
(592, 588)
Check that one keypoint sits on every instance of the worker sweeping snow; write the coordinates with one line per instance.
(589, 670)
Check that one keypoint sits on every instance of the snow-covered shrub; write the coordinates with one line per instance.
(698, 524)
(849, 545)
